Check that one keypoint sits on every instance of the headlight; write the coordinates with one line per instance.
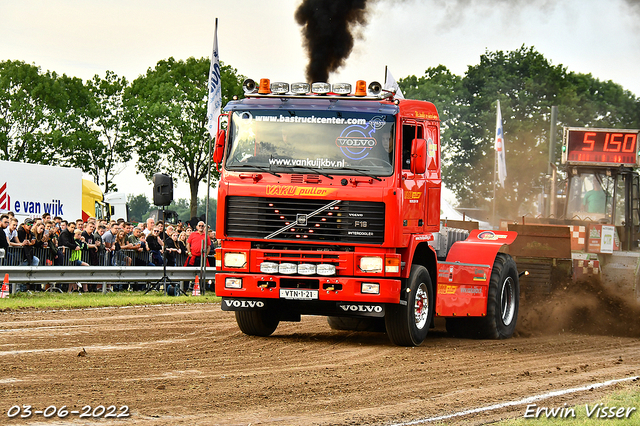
(235, 260)
(371, 264)
(231, 282)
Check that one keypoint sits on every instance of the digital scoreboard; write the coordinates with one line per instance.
(600, 147)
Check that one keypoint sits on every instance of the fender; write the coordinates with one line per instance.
(419, 245)
(463, 279)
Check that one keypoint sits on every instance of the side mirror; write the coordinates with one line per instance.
(218, 150)
(418, 156)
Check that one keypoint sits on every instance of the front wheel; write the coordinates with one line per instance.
(261, 322)
(408, 325)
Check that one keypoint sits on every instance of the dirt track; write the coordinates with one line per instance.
(190, 365)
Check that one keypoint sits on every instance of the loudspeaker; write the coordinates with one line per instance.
(162, 189)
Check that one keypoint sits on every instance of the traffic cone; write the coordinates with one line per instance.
(196, 287)
(4, 293)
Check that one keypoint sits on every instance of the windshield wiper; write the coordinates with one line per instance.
(261, 168)
(318, 171)
(361, 171)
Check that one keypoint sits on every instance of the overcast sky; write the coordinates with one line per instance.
(261, 39)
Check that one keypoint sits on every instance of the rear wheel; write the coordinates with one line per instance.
(407, 325)
(262, 322)
(502, 305)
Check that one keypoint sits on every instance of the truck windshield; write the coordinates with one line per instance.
(311, 142)
(591, 196)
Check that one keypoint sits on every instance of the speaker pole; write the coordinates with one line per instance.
(162, 196)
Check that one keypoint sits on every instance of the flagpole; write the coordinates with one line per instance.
(206, 212)
(495, 171)
(203, 254)
(495, 176)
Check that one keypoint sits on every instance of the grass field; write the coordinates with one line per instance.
(46, 300)
(619, 408)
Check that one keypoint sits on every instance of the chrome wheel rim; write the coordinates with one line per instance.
(421, 306)
(507, 301)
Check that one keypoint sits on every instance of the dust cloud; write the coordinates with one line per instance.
(586, 307)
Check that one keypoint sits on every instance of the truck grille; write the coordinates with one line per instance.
(346, 222)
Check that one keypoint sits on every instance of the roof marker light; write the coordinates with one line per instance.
(279, 88)
(320, 88)
(264, 86)
(300, 88)
(341, 88)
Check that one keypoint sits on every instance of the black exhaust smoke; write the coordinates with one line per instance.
(328, 27)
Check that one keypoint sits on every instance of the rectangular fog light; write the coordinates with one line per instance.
(288, 268)
(370, 288)
(306, 269)
(269, 268)
(326, 269)
(232, 282)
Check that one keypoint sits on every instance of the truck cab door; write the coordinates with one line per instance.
(412, 184)
(433, 178)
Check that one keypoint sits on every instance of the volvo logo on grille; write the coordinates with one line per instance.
(301, 219)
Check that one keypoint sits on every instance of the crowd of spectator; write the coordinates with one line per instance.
(98, 242)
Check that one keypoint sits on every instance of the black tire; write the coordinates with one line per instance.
(356, 324)
(503, 303)
(408, 325)
(261, 322)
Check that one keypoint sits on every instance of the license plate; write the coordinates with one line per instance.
(299, 294)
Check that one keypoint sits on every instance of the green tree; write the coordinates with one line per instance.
(527, 85)
(599, 103)
(29, 102)
(446, 91)
(138, 207)
(166, 115)
(97, 142)
(182, 207)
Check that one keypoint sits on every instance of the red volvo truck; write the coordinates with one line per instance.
(329, 204)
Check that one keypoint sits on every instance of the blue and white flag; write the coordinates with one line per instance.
(215, 88)
(502, 165)
(391, 85)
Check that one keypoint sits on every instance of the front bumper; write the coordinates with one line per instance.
(335, 289)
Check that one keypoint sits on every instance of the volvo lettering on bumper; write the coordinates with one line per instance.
(241, 304)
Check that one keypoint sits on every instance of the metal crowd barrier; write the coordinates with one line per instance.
(55, 268)
(62, 257)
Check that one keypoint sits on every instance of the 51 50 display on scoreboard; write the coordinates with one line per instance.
(600, 146)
